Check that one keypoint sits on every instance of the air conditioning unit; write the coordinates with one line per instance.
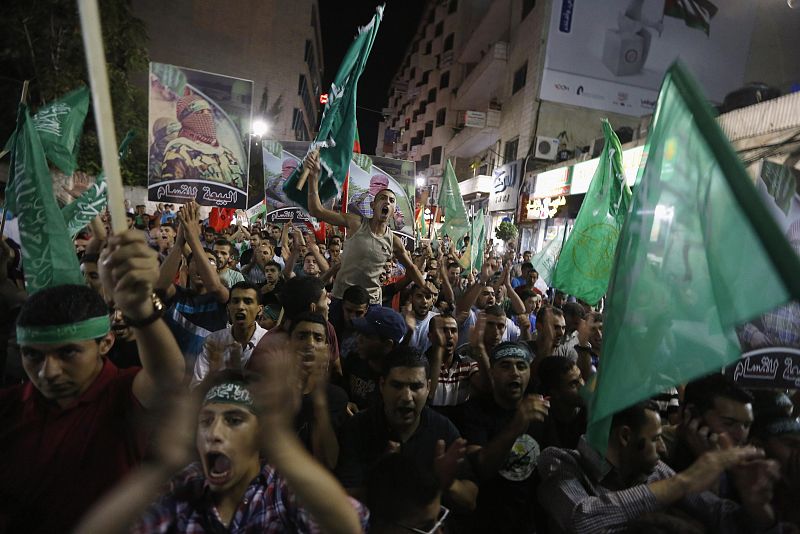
(546, 148)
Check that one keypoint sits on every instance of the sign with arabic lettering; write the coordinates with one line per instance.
(770, 368)
(544, 208)
(199, 137)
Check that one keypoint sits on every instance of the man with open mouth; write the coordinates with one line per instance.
(231, 347)
(370, 241)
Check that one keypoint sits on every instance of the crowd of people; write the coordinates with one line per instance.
(258, 379)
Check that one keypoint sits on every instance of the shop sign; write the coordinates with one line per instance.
(474, 119)
(544, 208)
(583, 172)
(505, 187)
(552, 183)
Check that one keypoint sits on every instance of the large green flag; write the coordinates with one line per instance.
(584, 265)
(59, 125)
(47, 251)
(698, 255)
(546, 259)
(456, 222)
(337, 130)
(473, 255)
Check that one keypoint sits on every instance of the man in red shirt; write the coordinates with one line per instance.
(73, 431)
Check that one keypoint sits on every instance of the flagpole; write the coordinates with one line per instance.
(103, 115)
(22, 99)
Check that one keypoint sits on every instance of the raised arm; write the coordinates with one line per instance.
(190, 221)
(169, 268)
(129, 270)
(482, 380)
(315, 207)
(469, 297)
(517, 306)
(294, 255)
(314, 249)
(412, 271)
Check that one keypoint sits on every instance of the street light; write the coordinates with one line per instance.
(420, 181)
(260, 127)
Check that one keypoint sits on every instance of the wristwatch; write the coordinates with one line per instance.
(158, 311)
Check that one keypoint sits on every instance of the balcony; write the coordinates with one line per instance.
(486, 80)
(483, 132)
(494, 26)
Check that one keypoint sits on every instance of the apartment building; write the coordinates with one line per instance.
(275, 43)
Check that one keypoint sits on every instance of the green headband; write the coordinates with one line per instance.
(91, 328)
(230, 393)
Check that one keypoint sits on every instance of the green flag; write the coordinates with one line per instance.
(473, 255)
(48, 254)
(456, 223)
(545, 260)
(80, 212)
(337, 130)
(59, 125)
(584, 265)
(699, 254)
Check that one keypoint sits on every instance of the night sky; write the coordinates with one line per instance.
(340, 21)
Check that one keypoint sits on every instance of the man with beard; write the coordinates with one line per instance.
(229, 277)
(477, 298)
(231, 347)
(458, 374)
(504, 432)
(561, 382)
(380, 331)
(403, 422)
(422, 301)
(355, 303)
(165, 130)
(370, 244)
(629, 486)
(195, 154)
(263, 253)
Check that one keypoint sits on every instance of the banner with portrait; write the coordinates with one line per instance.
(198, 138)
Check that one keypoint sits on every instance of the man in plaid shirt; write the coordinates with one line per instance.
(630, 488)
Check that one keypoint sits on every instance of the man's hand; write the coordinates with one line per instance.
(312, 165)
(189, 216)
(215, 351)
(696, 435)
(532, 408)
(447, 462)
(476, 335)
(524, 322)
(129, 271)
(706, 470)
(436, 332)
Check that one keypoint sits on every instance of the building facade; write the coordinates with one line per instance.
(275, 43)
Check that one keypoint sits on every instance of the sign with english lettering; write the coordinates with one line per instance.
(769, 368)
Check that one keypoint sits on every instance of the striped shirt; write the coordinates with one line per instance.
(583, 492)
(453, 387)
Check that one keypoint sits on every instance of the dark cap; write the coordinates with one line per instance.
(511, 349)
(382, 322)
(772, 411)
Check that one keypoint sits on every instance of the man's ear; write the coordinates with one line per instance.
(625, 435)
(106, 343)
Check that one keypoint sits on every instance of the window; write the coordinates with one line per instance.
(441, 117)
(519, 78)
(302, 90)
(299, 126)
(428, 47)
(428, 128)
(415, 47)
(405, 147)
(527, 7)
(448, 42)
(424, 162)
(431, 96)
(436, 155)
(444, 80)
(426, 76)
(431, 16)
(439, 30)
(510, 150)
(452, 7)
(413, 73)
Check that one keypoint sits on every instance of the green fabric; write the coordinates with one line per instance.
(59, 125)
(698, 255)
(546, 259)
(337, 130)
(48, 254)
(584, 265)
(80, 212)
(230, 393)
(92, 328)
(456, 223)
(473, 256)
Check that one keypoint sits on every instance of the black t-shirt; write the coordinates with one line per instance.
(505, 500)
(563, 435)
(365, 437)
(361, 382)
(124, 354)
(337, 409)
